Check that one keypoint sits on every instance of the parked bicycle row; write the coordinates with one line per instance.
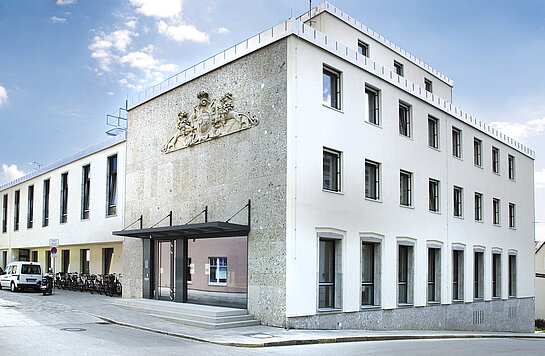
(108, 284)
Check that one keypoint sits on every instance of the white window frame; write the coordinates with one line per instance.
(433, 138)
(368, 91)
(376, 241)
(335, 101)
(456, 142)
(458, 201)
(436, 198)
(218, 281)
(410, 192)
(477, 152)
(407, 125)
(376, 183)
(478, 209)
(336, 188)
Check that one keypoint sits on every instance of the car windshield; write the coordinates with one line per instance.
(31, 269)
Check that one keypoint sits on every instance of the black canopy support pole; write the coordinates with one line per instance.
(249, 212)
(206, 214)
(134, 222)
(170, 214)
(141, 222)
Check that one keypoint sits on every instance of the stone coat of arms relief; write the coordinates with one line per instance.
(208, 120)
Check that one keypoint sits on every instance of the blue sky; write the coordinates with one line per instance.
(65, 64)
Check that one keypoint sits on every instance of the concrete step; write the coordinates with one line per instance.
(219, 324)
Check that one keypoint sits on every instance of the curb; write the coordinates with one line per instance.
(330, 340)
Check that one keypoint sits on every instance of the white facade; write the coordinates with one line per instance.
(92, 232)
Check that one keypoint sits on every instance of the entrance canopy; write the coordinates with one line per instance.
(191, 231)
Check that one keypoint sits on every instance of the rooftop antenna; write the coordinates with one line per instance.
(118, 121)
(36, 165)
(310, 22)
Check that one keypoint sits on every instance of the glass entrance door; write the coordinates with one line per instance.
(164, 275)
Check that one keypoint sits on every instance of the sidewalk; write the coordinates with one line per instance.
(262, 336)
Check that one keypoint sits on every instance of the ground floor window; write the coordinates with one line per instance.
(188, 270)
(4, 259)
(512, 275)
(85, 260)
(65, 261)
(218, 270)
(405, 274)
(434, 274)
(330, 267)
(496, 275)
(457, 275)
(370, 273)
(478, 275)
(107, 254)
(47, 260)
(34, 256)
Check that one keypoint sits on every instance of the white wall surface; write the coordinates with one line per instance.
(312, 126)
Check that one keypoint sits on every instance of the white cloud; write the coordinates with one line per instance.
(158, 8)
(111, 93)
(3, 95)
(520, 131)
(221, 30)
(66, 2)
(107, 47)
(540, 179)
(182, 32)
(139, 59)
(56, 19)
(131, 24)
(11, 172)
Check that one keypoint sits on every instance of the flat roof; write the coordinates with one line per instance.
(66, 160)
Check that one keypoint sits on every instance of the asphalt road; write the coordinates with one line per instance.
(32, 324)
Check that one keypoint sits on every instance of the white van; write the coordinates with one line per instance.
(22, 275)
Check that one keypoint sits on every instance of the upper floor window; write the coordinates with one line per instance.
(112, 185)
(45, 207)
(5, 214)
(16, 204)
(332, 88)
(398, 68)
(428, 85)
(495, 211)
(64, 198)
(458, 194)
(477, 152)
(495, 160)
(86, 191)
(363, 48)
(331, 170)
(30, 207)
(434, 195)
(512, 215)
(456, 142)
(372, 102)
(372, 180)
(404, 119)
(478, 207)
(511, 166)
(405, 188)
(433, 132)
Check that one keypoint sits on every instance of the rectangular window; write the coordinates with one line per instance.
(65, 261)
(496, 275)
(16, 204)
(428, 85)
(457, 275)
(47, 260)
(5, 213)
(434, 275)
(34, 256)
(478, 207)
(326, 284)
(398, 68)
(363, 48)
(331, 170)
(331, 88)
(64, 197)
(372, 180)
(495, 211)
(456, 142)
(85, 260)
(30, 207)
(112, 185)
(45, 208)
(433, 132)
(188, 271)
(107, 256)
(372, 102)
(512, 275)
(368, 282)
(478, 275)
(404, 120)
(477, 152)
(457, 199)
(434, 195)
(218, 270)
(86, 191)
(511, 166)
(512, 216)
(404, 274)
(496, 160)
(405, 188)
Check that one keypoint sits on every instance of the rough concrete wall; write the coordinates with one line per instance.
(515, 315)
(223, 173)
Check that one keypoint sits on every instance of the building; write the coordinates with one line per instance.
(540, 279)
(368, 200)
(77, 200)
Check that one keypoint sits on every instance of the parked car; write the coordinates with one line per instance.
(22, 275)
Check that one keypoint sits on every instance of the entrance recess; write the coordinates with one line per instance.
(209, 259)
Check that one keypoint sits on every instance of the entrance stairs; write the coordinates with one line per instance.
(204, 316)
